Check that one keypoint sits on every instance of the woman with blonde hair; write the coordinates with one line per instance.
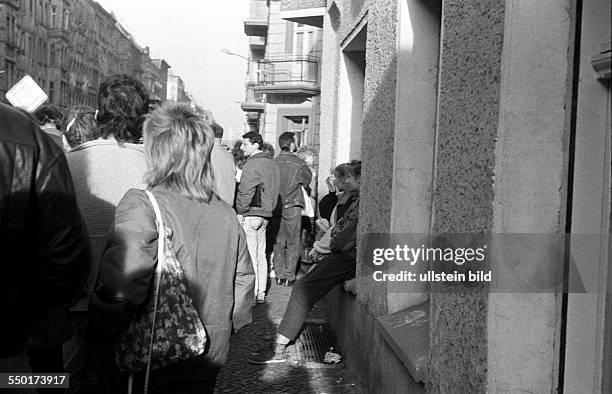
(209, 243)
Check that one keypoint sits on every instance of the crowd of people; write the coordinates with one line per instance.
(97, 204)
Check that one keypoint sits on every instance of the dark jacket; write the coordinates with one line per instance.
(327, 205)
(211, 247)
(344, 233)
(43, 241)
(293, 173)
(259, 185)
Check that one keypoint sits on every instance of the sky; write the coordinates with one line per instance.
(189, 35)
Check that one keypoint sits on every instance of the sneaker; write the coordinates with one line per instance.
(274, 354)
(261, 298)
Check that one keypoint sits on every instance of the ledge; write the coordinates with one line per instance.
(601, 62)
(296, 89)
(252, 107)
(256, 27)
(407, 333)
(307, 16)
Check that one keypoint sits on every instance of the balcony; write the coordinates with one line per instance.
(257, 23)
(253, 101)
(307, 12)
(11, 3)
(59, 34)
(257, 42)
(288, 75)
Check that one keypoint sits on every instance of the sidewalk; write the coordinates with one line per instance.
(238, 376)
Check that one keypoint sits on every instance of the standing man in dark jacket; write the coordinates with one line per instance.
(295, 174)
(256, 199)
(44, 245)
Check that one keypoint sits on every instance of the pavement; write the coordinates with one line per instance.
(294, 376)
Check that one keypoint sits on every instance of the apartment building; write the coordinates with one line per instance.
(282, 86)
(69, 47)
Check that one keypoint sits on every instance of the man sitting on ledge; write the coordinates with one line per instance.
(336, 268)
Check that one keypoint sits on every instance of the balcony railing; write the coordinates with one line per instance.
(289, 74)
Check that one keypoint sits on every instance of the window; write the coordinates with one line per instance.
(299, 126)
(66, 20)
(304, 40)
(52, 60)
(53, 16)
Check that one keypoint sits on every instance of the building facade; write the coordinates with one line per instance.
(69, 47)
(176, 90)
(282, 85)
(488, 117)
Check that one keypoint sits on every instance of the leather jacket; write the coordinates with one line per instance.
(44, 253)
(293, 173)
(258, 189)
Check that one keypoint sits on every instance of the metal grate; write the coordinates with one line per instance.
(316, 339)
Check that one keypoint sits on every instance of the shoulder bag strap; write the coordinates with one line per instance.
(161, 240)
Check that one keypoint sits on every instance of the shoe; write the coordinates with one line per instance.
(261, 298)
(274, 354)
(272, 274)
(289, 283)
(279, 281)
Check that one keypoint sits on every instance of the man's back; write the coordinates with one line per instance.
(45, 256)
(102, 172)
(293, 173)
(259, 172)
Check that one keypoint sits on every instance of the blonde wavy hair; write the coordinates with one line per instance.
(177, 144)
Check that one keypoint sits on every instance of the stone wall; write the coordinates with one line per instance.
(377, 138)
(468, 104)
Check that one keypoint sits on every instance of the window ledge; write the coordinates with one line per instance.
(407, 333)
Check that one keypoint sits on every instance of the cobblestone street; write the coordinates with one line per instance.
(238, 376)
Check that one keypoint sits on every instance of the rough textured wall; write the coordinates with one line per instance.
(292, 5)
(328, 134)
(463, 194)
(377, 138)
(350, 13)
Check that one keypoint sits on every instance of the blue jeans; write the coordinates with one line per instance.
(336, 268)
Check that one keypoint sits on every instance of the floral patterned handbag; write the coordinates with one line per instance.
(167, 329)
